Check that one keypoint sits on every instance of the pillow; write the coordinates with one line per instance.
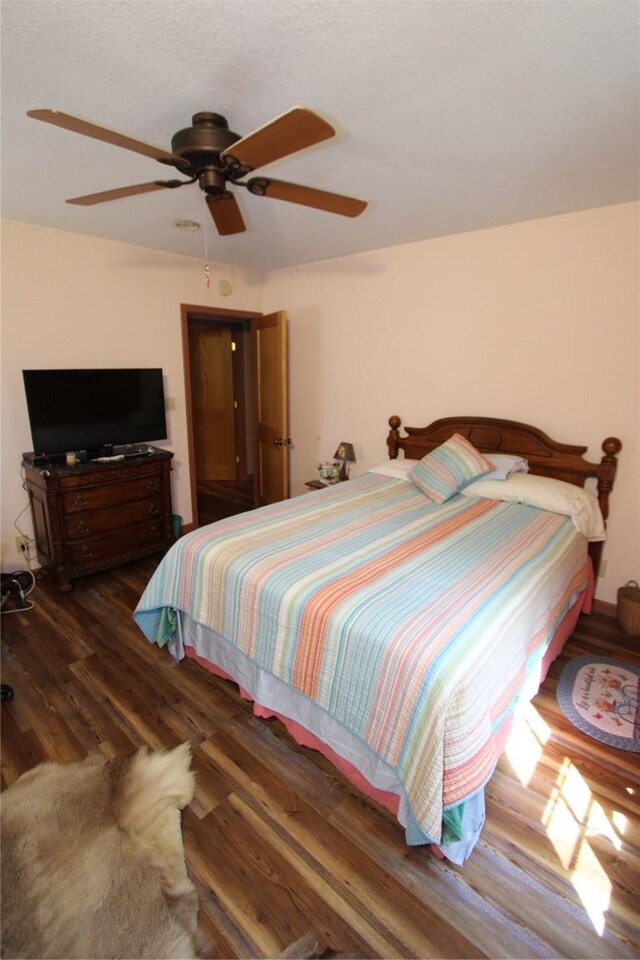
(449, 468)
(398, 469)
(556, 496)
(505, 464)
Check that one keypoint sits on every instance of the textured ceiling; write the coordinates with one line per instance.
(450, 116)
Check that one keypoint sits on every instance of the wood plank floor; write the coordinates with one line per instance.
(218, 499)
(278, 843)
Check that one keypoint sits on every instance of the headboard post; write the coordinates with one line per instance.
(606, 475)
(394, 436)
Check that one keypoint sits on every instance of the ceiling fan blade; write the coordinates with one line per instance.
(76, 125)
(307, 196)
(294, 130)
(226, 214)
(120, 192)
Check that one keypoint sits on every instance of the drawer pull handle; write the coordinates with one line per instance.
(82, 528)
(155, 531)
(86, 552)
(153, 509)
(80, 502)
(153, 487)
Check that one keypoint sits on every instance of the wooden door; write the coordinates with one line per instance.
(210, 354)
(272, 456)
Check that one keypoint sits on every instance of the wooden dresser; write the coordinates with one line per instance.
(94, 515)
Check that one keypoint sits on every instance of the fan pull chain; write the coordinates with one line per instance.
(207, 272)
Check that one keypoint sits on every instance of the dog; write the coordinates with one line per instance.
(93, 863)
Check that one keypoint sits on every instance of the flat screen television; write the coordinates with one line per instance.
(94, 410)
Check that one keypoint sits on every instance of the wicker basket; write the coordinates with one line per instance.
(629, 608)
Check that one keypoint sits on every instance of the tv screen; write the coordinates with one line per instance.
(91, 409)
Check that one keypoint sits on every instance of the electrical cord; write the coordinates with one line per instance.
(17, 584)
(28, 546)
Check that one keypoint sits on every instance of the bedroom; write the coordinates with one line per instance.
(534, 318)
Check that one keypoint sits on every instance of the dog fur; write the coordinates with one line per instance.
(93, 862)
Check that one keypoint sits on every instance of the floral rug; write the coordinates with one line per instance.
(601, 697)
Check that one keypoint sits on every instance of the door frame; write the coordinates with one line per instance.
(187, 310)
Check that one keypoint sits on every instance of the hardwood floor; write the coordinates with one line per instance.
(278, 843)
(218, 499)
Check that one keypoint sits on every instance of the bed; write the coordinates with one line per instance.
(397, 621)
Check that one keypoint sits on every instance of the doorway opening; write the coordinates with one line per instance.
(219, 364)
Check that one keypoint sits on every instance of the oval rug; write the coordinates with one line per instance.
(601, 697)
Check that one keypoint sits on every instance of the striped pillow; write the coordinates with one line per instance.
(449, 468)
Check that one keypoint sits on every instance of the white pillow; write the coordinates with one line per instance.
(398, 469)
(556, 496)
(505, 464)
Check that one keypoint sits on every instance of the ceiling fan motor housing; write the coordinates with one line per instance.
(201, 146)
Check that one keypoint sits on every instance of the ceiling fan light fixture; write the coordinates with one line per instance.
(187, 225)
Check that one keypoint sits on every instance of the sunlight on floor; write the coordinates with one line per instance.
(526, 742)
(619, 821)
(573, 819)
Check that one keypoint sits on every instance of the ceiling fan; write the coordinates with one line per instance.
(211, 154)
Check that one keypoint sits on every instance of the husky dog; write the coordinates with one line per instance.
(93, 862)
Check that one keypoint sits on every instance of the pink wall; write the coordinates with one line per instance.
(535, 321)
(76, 301)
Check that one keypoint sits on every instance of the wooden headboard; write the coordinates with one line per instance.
(546, 457)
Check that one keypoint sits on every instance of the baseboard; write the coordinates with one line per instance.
(605, 608)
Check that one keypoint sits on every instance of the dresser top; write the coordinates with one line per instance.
(56, 467)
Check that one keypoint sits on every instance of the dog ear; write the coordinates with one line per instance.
(154, 783)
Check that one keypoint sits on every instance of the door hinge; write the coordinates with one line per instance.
(233, 346)
(235, 404)
(237, 459)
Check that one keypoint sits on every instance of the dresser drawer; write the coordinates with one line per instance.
(92, 522)
(93, 476)
(111, 494)
(99, 548)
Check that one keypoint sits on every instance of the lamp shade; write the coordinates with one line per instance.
(345, 452)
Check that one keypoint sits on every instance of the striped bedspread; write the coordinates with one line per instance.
(412, 624)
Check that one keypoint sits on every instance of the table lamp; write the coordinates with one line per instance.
(346, 455)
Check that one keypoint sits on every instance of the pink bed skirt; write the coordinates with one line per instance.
(390, 800)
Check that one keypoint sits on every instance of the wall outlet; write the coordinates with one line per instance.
(169, 403)
(602, 569)
(22, 543)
